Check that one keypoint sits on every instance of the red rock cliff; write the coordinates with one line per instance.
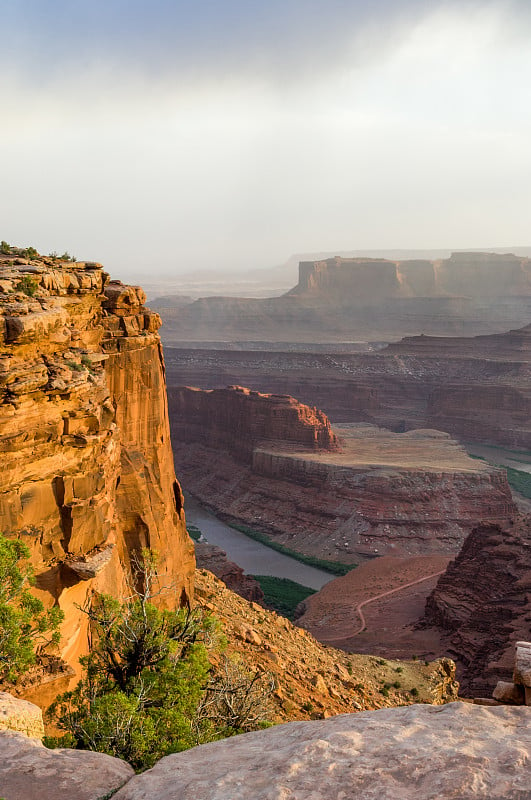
(238, 419)
(482, 603)
(88, 474)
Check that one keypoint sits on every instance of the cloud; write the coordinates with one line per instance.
(182, 135)
(278, 39)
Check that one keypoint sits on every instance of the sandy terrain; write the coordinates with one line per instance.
(385, 597)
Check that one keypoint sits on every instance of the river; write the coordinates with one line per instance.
(254, 558)
(498, 455)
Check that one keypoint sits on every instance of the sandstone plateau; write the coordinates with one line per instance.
(276, 465)
(476, 388)
(88, 477)
(344, 299)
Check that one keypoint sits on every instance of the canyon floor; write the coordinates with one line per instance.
(391, 594)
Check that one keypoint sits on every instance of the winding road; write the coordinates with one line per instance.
(360, 606)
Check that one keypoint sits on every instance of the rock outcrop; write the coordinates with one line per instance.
(343, 299)
(88, 477)
(416, 753)
(20, 716)
(29, 771)
(517, 691)
(209, 556)
(365, 491)
(482, 604)
(239, 420)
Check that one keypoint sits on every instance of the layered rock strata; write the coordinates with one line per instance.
(476, 388)
(238, 420)
(482, 604)
(367, 492)
(88, 477)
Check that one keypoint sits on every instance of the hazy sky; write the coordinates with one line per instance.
(167, 136)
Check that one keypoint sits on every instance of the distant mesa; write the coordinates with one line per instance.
(341, 299)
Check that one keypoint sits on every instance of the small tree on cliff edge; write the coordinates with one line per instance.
(146, 677)
(24, 623)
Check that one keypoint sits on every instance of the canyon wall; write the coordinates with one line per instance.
(477, 388)
(367, 492)
(88, 477)
(237, 419)
(482, 603)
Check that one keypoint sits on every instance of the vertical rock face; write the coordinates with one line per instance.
(149, 500)
(239, 419)
(482, 603)
(87, 469)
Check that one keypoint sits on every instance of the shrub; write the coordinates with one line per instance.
(5, 249)
(28, 285)
(24, 623)
(146, 690)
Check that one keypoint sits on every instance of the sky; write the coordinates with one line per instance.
(168, 137)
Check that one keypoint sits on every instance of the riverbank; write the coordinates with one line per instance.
(253, 556)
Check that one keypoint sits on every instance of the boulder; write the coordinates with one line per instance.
(21, 716)
(29, 771)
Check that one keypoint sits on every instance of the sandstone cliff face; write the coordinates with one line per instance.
(482, 603)
(87, 469)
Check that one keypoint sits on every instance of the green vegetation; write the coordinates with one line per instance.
(24, 623)
(75, 366)
(28, 285)
(5, 249)
(193, 532)
(334, 567)
(147, 689)
(519, 481)
(283, 594)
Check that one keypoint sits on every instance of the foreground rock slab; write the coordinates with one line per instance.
(416, 753)
(29, 771)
